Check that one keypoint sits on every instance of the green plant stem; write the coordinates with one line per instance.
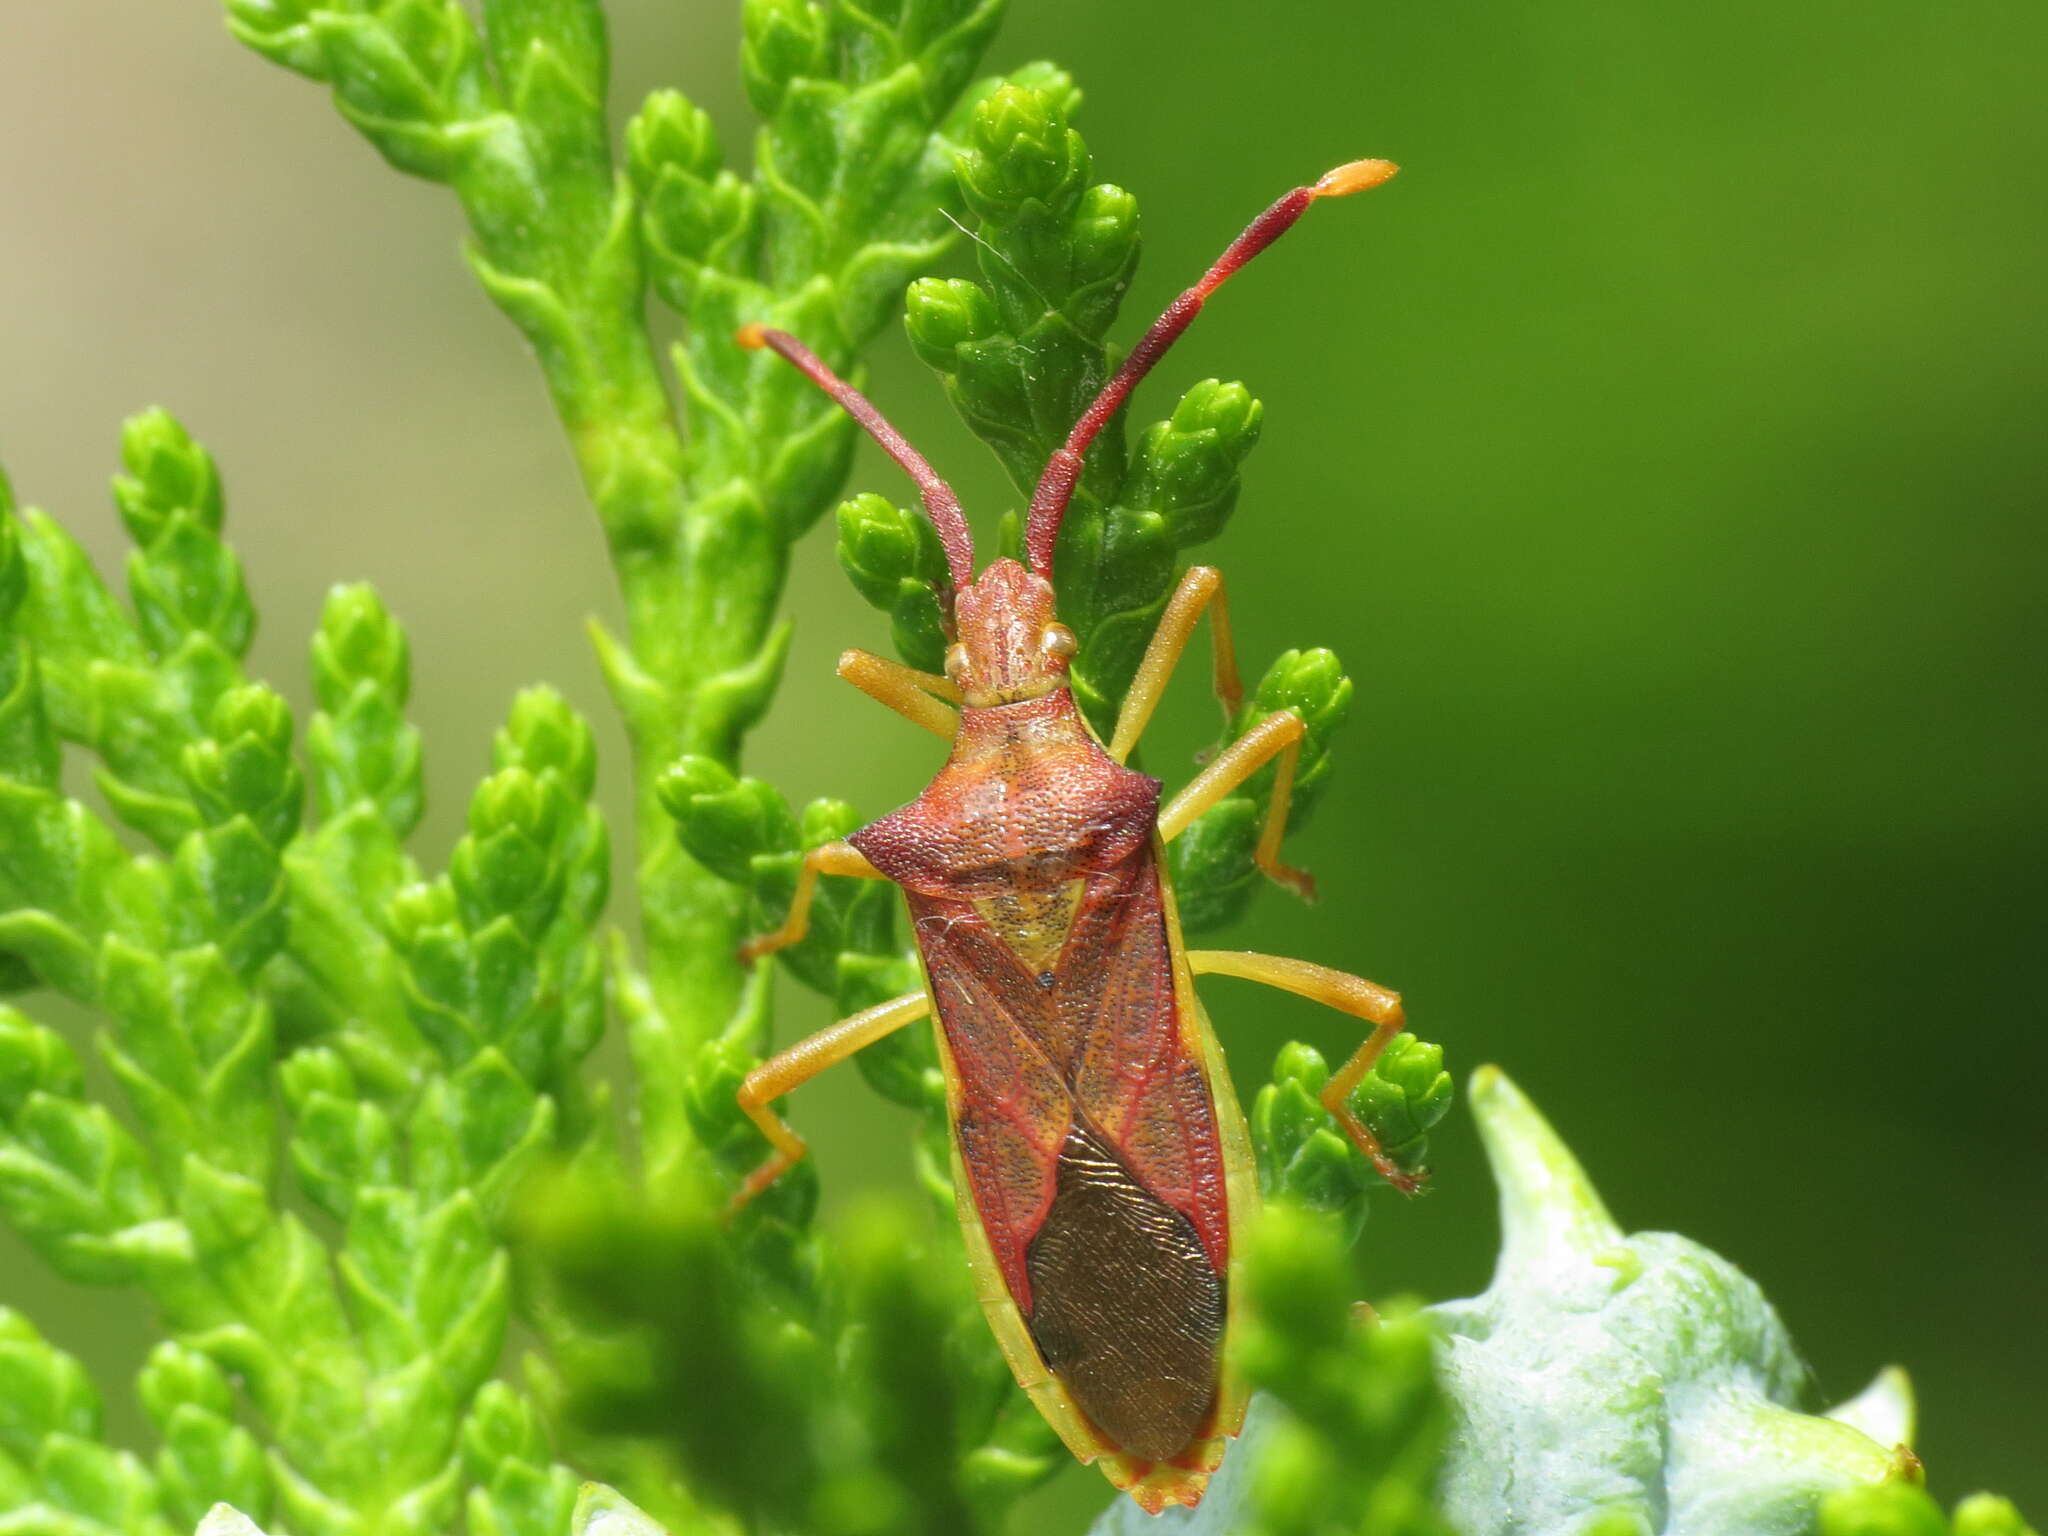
(693, 612)
(510, 115)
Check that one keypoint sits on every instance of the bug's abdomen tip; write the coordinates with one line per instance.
(1358, 176)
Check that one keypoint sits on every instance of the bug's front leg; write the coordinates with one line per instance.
(798, 1065)
(825, 859)
(923, 698)
(1350, 994)
(1200, 589)
(1279, 735)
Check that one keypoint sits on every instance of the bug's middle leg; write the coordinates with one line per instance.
(1350, 994)
(1278, 735)
(825, 859)
(1201, 588)
(798, 1065)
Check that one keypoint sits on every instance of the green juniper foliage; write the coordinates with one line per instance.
(344, 1134)
(326, 1361)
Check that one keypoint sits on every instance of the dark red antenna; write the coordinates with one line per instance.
(1056, 485)
(940, 504)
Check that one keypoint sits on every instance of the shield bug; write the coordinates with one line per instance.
(1102, 1168)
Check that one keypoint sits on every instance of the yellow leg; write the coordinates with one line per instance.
(798, 1065)
(1354, 995)
(1200, 588)
(905, 690)
(1278, 735)
(825, 859)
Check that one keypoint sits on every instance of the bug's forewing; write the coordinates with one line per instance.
(1130, 1067)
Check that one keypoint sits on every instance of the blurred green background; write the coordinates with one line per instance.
(1663, 452)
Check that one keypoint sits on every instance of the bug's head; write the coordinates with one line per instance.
(1008, 647)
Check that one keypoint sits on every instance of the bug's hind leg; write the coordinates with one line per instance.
(1350, 994)
(798, 1065)
(1279, 735)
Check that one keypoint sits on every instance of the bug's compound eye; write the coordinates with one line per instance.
(956, 662)
(1059, 641)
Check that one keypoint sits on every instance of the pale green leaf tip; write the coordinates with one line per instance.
(1885, 1410)
(600, 1511)
(226, 1520)
(1549, 1210)
(1599, 1365)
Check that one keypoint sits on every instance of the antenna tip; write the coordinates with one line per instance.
(755, 337)
(1358, 176)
